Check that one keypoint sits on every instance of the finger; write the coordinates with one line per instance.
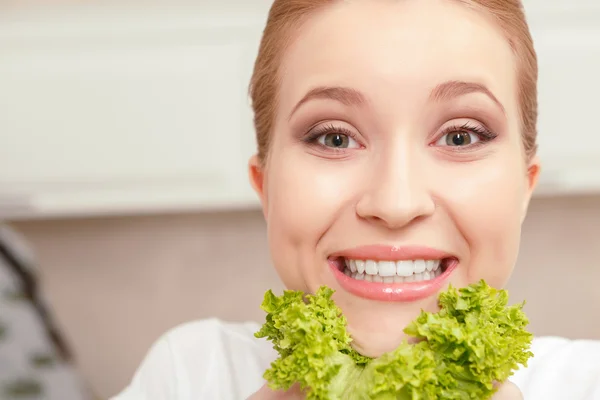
(508, 391)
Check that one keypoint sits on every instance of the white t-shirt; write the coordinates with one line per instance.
(216, 360)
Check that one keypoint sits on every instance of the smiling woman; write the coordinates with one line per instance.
(396, 156)
(403, 152)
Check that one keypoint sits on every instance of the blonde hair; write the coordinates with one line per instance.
(286, 16)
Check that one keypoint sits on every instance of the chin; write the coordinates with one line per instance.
(376, 344)
(377, 327)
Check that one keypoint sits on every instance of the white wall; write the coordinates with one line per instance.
(161, 92)
(117, 284)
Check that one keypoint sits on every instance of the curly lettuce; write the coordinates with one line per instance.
(475, 341)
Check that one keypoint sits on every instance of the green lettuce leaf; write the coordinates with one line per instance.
(473, 342)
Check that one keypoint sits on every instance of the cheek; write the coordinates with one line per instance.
(487, 209)
(303, 198)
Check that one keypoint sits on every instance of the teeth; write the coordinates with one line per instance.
(430, 265)
(351, 264)
(387, 268)
(405, 268)
(360, 266)
(421, 265)
(371, 267)
(393, 272)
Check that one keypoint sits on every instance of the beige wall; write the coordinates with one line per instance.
(117, 284)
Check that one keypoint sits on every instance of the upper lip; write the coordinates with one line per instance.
(392, 253)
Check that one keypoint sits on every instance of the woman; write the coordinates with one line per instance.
(393, 136)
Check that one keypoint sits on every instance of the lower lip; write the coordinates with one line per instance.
(393, 292)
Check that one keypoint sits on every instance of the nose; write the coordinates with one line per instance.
(397, 193)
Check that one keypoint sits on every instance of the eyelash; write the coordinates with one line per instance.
(485, 135)
(313, 136)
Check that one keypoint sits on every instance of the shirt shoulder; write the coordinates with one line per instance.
(203, 359)
(561, 369)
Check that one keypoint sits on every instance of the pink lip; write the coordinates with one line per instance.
(392, 253)
(392, 292)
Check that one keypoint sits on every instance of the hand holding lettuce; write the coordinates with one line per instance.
(474, 341)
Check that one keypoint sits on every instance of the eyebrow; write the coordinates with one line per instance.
(453, 89)
(344, 95)
(352, 97)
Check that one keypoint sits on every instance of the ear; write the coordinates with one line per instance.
(256, 173)
(533, 174)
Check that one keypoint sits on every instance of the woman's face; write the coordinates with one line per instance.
(397, 156)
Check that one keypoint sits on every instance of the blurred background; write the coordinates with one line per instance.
(125, 210)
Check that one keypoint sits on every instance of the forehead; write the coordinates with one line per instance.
(398, 50)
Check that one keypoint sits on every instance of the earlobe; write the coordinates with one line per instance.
(256, 174)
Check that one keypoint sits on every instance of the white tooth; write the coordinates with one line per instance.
(409, 278)
(437, 264)
(352, 265)
(360, 266)
(418, 277)
(420, 266)
(347, 272)
(427, 275)
(371, 267)
(360, 277)
(387, 268)
(399, 279)
(430, 265)
(377, 278)
(369, 278)
(405, 268)
(389, 279)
